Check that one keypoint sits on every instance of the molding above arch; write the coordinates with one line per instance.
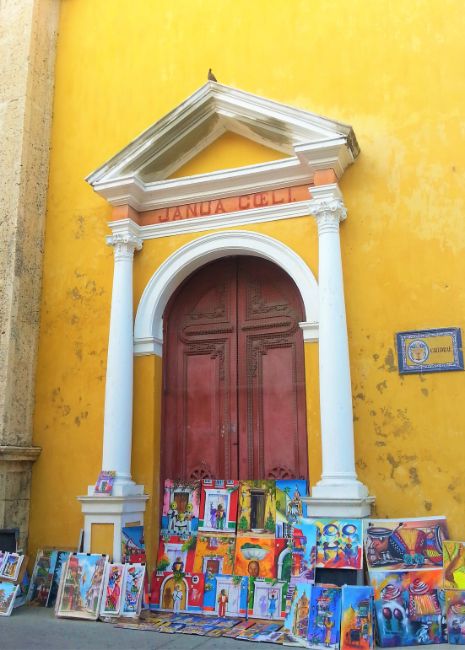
(148, 327)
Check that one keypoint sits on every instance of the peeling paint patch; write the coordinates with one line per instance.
(413, 473)
(389, 361)
(382, 386)
(428, 505)
(425, 392)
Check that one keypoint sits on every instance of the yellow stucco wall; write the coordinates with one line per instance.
(394, 71)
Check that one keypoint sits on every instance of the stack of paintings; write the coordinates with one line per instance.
(454, 589)
(405, 563)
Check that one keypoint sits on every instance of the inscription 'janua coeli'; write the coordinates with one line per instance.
(226, 205)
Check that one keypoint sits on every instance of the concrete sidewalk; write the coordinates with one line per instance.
(30, 628)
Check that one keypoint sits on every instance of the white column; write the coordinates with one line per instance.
(117, 428)
(338, 482)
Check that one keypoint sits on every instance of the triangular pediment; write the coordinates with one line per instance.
(138, 174)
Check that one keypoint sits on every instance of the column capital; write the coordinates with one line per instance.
(328, 213)
(124, 244)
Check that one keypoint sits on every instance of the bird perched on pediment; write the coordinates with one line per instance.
(211, 76)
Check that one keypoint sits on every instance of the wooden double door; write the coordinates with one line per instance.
(233, 375)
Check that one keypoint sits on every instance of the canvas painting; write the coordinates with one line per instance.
(324, 621)
(214, 554)
(235, 631)
(257, 509)
(408, 544)
(283, 558)
(176, 554)
(42, 577)
(112, 589)
(455, 615)
(454, 564)
(3, 555)
(289, 505)
(267, 598)
(407, 607)
(357, 618)
(339, 543)
(255, 557)
(132, 544)
(262, 632)
(304, 551)
(104, 484)
(218, 506)
(178, 593)
(181, 503)
(62, 558)
(225, 595)
(11, 566)
(296, 622)
(8, 593)
(133, 588)
(81, 586)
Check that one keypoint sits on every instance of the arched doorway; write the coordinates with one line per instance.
(233, 374)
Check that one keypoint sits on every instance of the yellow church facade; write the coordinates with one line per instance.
(330, 148)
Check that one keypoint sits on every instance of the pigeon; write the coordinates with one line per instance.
(211, 76)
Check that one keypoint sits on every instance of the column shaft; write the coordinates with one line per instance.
(117, 431)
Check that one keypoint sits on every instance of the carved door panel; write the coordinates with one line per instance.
(234, 392)
(271, 396)
(200, 377)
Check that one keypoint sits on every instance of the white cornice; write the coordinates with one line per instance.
(137, 175)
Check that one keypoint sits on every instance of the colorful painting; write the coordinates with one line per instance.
(112, 590)
(283, 558)
(218, 506)
(8, 593)
(357, 618)
(11, 566)
(296, 621)
(455, 616)
(407, 607)
(407, 544)
(324, 621)
(42, 578)
(81, 586)
(104, 484)
(176, 554)
(133, 544)
(214, 554)
(255, 557)
(225, 595)
(257, 509)
(181, 504)
(289, 505)
(177, 592)
(234, 632)
(62, 558)
(262, 632)
(133, 587)
(304, 551)
(454, 564)
(339, 543)
(267, 598)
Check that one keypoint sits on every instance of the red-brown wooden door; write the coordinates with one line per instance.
(233, 372)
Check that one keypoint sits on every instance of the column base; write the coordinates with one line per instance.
(338, 507)
(115, 510)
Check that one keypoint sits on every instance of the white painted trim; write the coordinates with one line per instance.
(226, 220)
(148, 328)
(311, 142)
(311, 331)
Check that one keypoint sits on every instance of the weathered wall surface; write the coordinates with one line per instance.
(27, 55)
(392, 70)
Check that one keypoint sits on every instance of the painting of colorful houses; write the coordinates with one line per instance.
(289, 505)
(181, 503)
(218, 506)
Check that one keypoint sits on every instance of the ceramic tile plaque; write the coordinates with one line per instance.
(437, 350)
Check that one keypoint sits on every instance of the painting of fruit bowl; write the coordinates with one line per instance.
(253, 552)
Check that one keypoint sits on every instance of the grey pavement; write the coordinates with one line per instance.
(29, 628)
